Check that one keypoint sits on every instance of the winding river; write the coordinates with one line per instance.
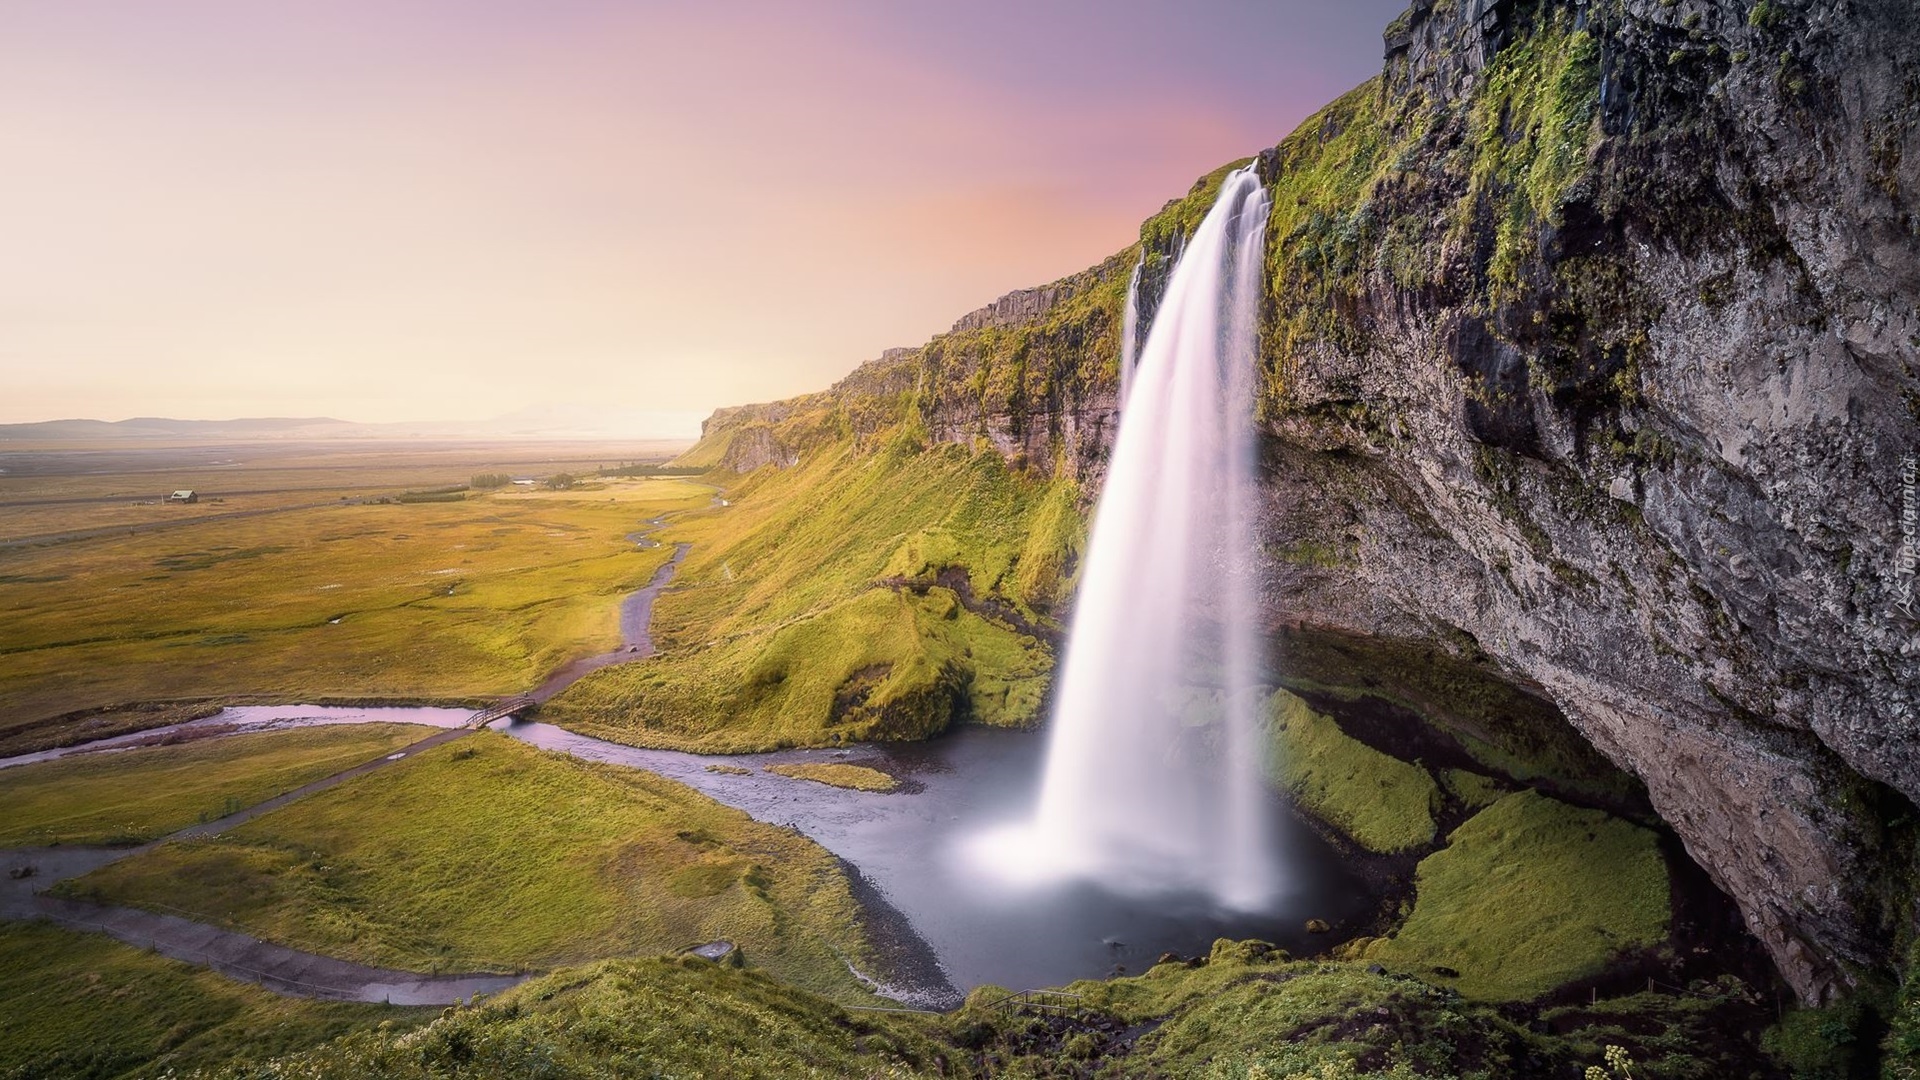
(905, 847)
(942, 925)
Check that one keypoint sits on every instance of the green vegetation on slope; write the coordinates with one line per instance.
(1382, 803)
(1250, 1008)
(131, 796)
(86, 1007)
(1531, 894)
(1474, 791)
(795, 541)
(883, 665)
(1353, 206)
(1243, 1012)
(419, 601)
(633, 1018)
(486, 854)
(1247, 1011)
(848, 598)
(1531, 127)
(1903, 1038)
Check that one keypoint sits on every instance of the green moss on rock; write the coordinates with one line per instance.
(1382, 803)
(1531, 894)
(1475, 792)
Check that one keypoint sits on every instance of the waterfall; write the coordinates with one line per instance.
(1130, 328)
(1153, 779)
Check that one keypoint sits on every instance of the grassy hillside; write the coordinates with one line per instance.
(1380, 802)
(486, 854)
(634, 1018)
(1531, 894)
(1244, 1012)
(855, 596)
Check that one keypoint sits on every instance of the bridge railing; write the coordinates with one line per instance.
(1046, 1001)
(503, 707)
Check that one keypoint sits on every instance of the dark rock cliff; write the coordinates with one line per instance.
(1638, 438)
(1592, 356)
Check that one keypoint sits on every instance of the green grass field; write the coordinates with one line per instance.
(132, 796)
(423, 601)
(486, 854)
(1530, 894)
(85, 1007)
(807, 611)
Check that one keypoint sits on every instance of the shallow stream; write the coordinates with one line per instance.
(907, 846)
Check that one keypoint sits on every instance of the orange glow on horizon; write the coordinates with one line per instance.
(461, 210)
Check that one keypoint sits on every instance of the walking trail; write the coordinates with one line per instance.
(231, 952)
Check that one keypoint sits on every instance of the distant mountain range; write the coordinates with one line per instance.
(543, 422)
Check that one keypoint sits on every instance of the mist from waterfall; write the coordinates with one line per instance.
(1154, 776)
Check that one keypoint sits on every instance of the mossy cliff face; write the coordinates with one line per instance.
(1591, 355)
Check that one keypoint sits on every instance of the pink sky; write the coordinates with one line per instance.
(451, 210)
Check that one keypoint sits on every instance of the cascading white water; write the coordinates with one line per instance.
(1130, 329)
(1153, 779)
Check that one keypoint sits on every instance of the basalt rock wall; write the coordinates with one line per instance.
(1592, 357)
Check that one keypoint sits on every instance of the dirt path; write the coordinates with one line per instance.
(231, 952)
(636, 620)
(220, 825)
(240, 956)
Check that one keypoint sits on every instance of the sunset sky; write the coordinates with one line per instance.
(452, 209)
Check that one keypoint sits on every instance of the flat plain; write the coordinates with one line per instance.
(326, 573)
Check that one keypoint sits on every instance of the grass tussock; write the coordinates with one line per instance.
(1474, 791)
(852, 777)
(1530, 894)
(487, 854)
(132, 796)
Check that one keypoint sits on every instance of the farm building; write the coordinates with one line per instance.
(184, 495)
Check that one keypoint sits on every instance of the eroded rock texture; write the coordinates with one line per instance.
(1593, 350)
(1647, 456)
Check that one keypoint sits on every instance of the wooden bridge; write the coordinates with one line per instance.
(1042, 1001)
(503, 707)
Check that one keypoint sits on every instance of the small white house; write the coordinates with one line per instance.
(184, 495)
